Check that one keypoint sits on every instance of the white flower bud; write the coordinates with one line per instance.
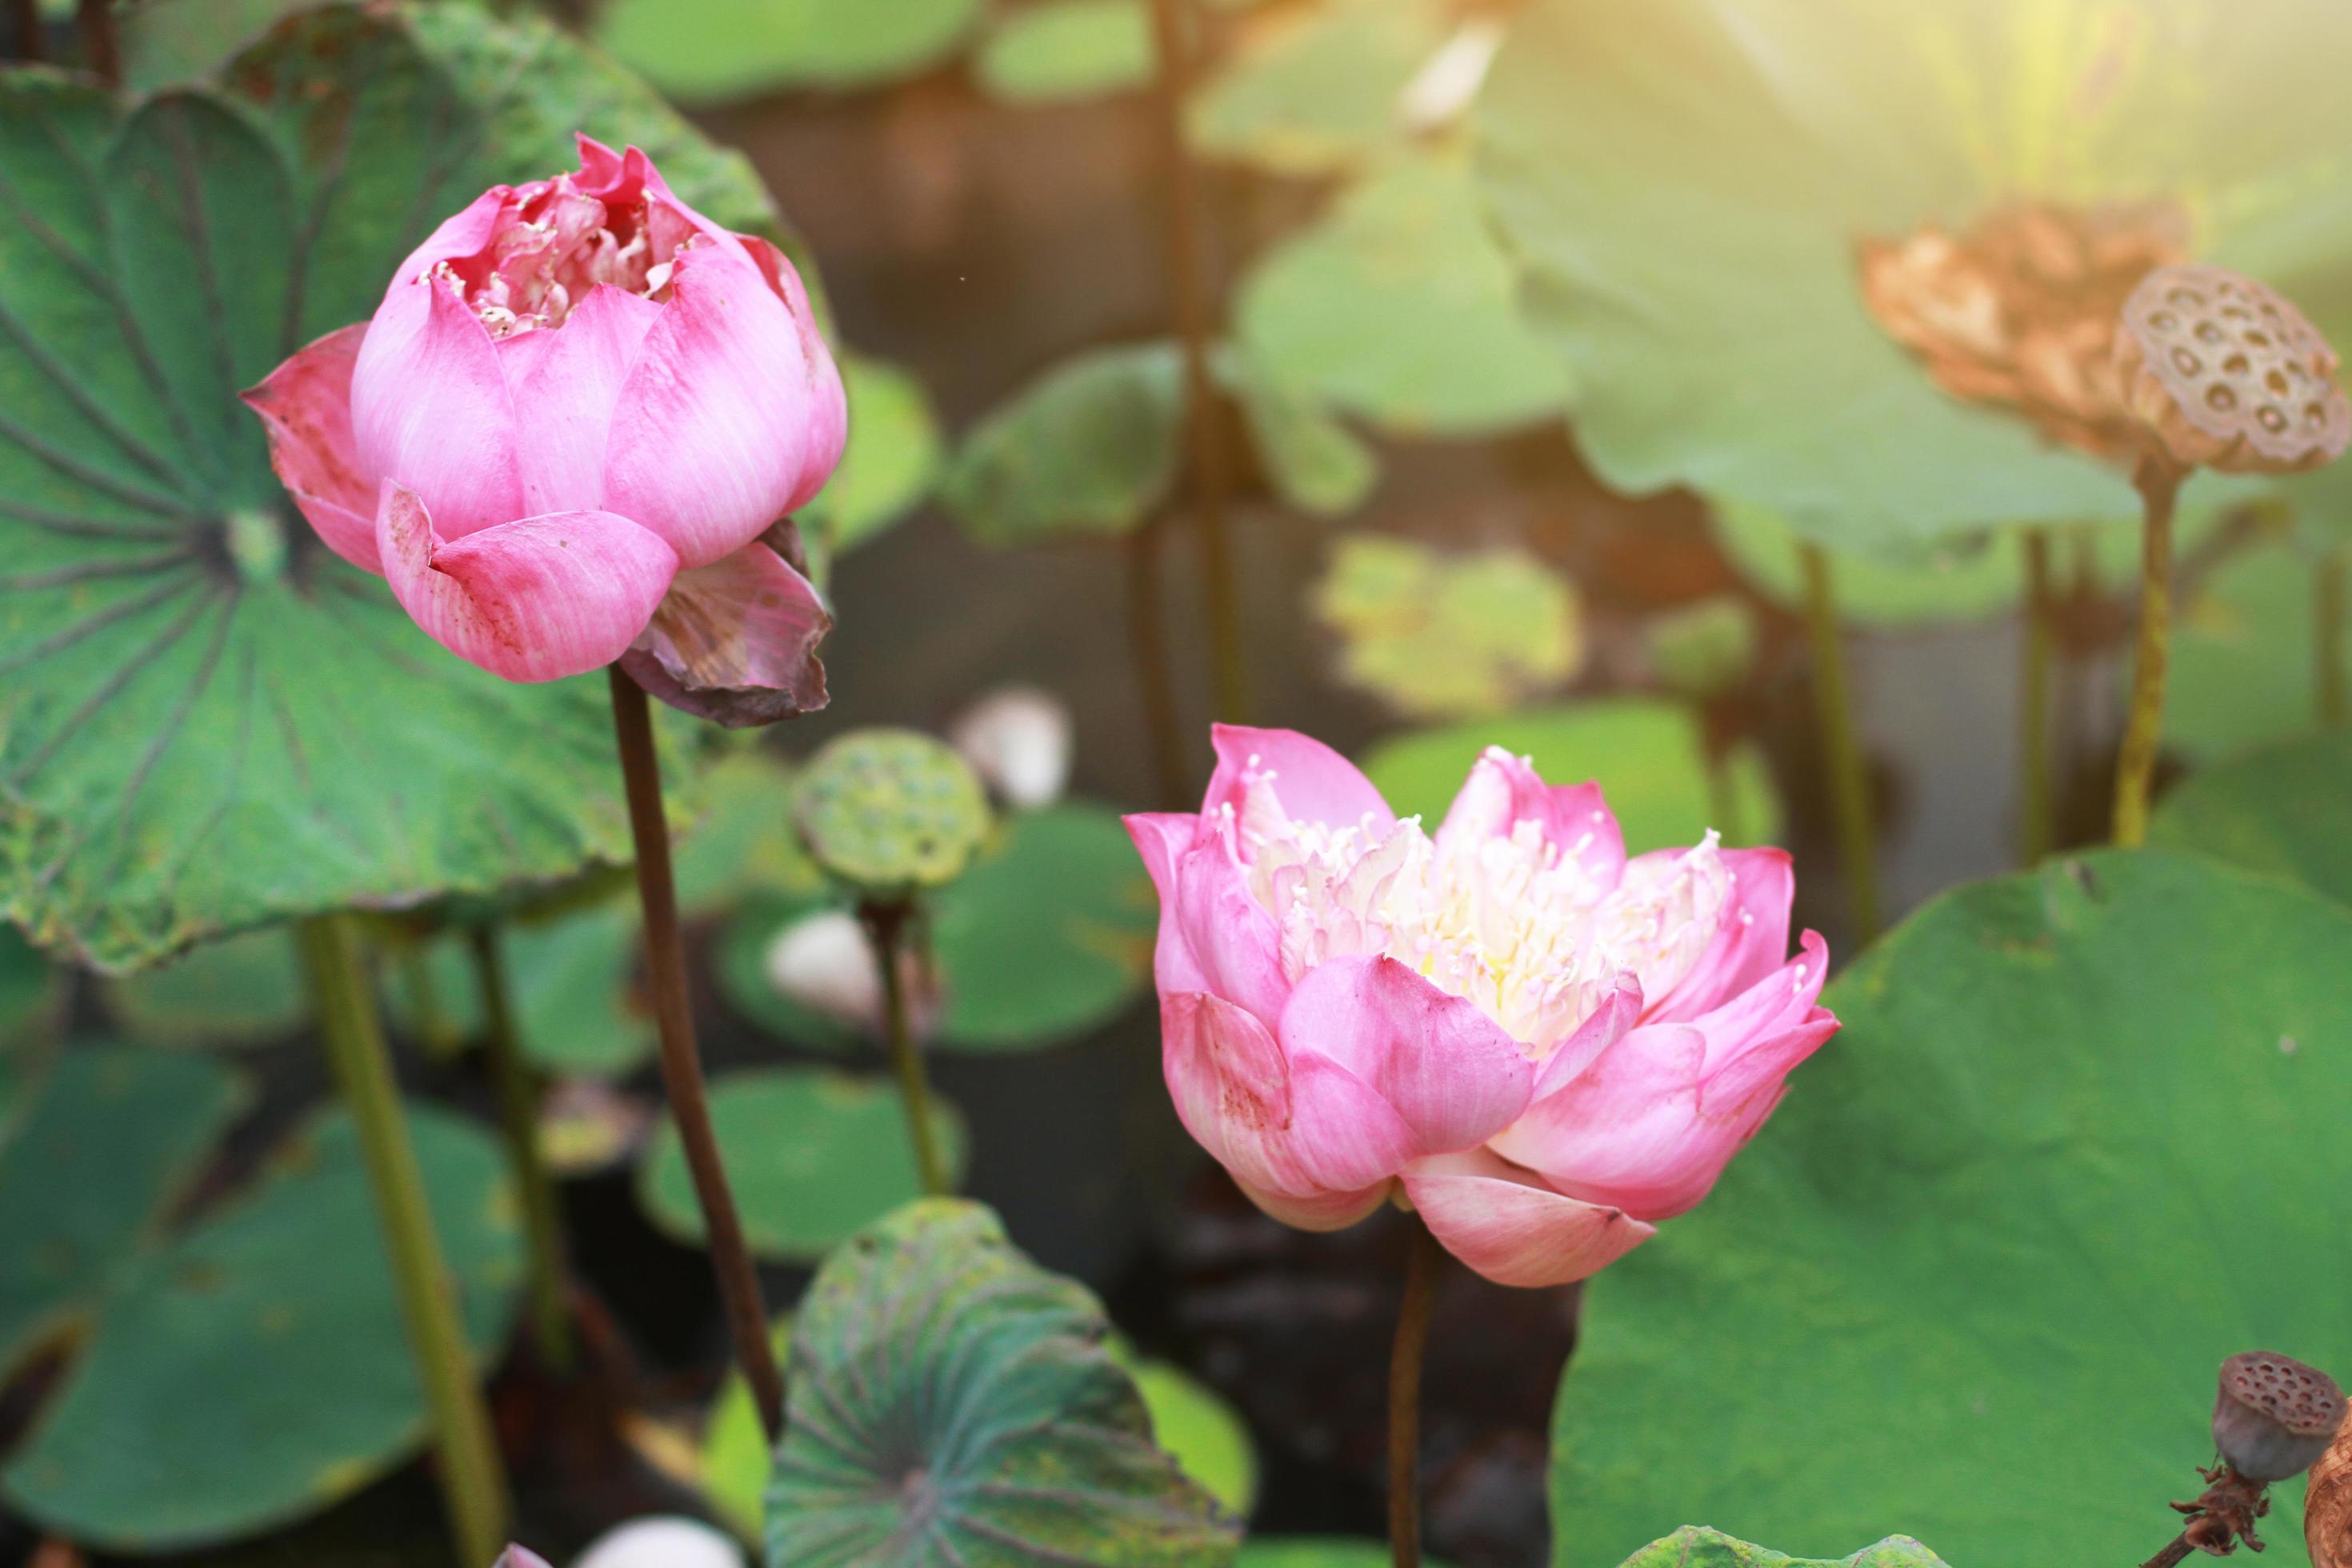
(668, 1542)
(1018, 738)
(824, 963)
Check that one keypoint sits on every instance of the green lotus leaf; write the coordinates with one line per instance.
(1069, 49)
(949, 1400)
(1089, 447)
(1649, 757)
(1705, 648)
(743, 842)
(1317, 91)
(2244, 663)
(1312, 460)
(893, 457)
(242, 990)
(572, 980)
(1318, 1551)
(208, 722)
(2076, 1144)
(1201, 1431)
(1694, 1546)
(718, 49)
(1399, 307)
(1686, 183)
(254, 1368)
(29, 987)
(2283, 808)
(813, 1155)
(1438, 635)
(735, 1461)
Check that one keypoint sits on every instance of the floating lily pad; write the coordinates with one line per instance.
(717, 49)
(949, 1400)
(1201, 1431)
(2244, 665)
(812, 1154)
(1647, 756)
(254, 1369)
(109, 1142)
(1316, 92)
(1440, 635)
(1069, 49)
(1694, 1546)
(1399, 307)
(889, 811)
(208, 722)
(2284, 808)
(2077, 1142)
(1687, 183)
(242, 990)
(893, 456)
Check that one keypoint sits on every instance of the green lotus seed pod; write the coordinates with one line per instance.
(890, 811)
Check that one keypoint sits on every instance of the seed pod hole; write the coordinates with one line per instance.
(2267, 403)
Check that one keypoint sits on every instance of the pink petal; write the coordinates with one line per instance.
(721, 421)
(464, 232)
(1754, 941)
(1503, 1223)
(536, 599)
(1504, 791)
(517, 1555)
(1452, 1074)
(1301, 1128)
(829, 421)
(1314, 783)
(565, 381)
(1618, 1013)
(430, 408)
(736, 641)
(1331, 1211)
(305, 406)
(1215, 937)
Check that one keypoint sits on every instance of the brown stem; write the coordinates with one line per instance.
(518, 1096)
(681, 1066)
(99, 48)
(2330, 603)
(2172, 1554)
(1404, 1395)
(1194, 312)
(1154, 681)
(27, 14)
(2038, 787)
(2158, 483)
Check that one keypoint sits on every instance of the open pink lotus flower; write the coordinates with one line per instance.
(1550, 1045)
(566, 434)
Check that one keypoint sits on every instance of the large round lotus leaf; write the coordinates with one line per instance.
(715, 49)
(2078, 1142)
(1067, 49)
(1695, 1546)
(1312, 460)
(1440, 635)
(812, 1154)
(2283, 808)
(1399, 307)
(1315, 91)
(893, 456)
(241, 990)
(949, 1401)
(1201, 1431)
(1648, 757)
(1048, 934)
(2244, 666)
(255, 1370)
(890, 810)
(1318, 1551)
(207, 721)
(577, 1007)
(1686, 182)
(1089, 447)
(107, 1143)
(29, 987)
(743, 842)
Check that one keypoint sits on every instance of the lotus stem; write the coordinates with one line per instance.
(1155, 685)
(25, 17)
(1405, 1355)
(2158, 484)
(681, 1064)
(885, 928)
(517, 1095)
(472, 1477)
(2175, 1554)
(435, 1032)
(1211, 472)
(2037, 792)
(2330, 597)
(1842, 752)
(100, 53)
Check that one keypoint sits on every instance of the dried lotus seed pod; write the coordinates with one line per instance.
(890, 811)
(2274, 1417)
(2226, 374)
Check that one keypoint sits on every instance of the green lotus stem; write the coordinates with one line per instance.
(2037, 792)
(434, 1030)
(1842, 752)
(2330, 594)
(1155, 685)
(512, 1081)
(472, 1477)
(1211, 472)
(681, 1064)
(1722, 799)
(886, 929)
(2158, 484)
(1420, 1269)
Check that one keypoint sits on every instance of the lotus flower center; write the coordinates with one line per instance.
(1519, 923)
(554, 243)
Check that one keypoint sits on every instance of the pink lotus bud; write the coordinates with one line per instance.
(1017, 738)
(1547, 1044)
(567, 437)
(517, 1555)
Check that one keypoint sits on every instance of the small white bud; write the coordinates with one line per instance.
(668, 1542)
(824, 963)
(1017, 738)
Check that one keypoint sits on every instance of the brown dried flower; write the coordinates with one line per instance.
(2328, 1505)
(2274, 1416)
(2226, 374)
(2020, 310)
